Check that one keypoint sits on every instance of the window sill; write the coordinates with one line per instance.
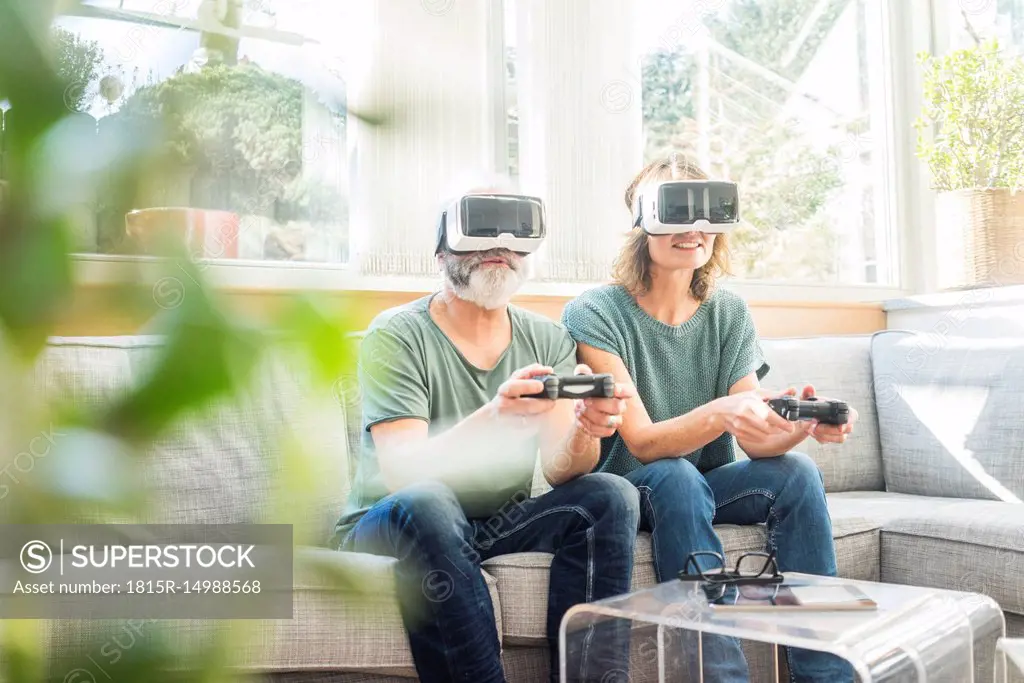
(272, 277)
(974, 298)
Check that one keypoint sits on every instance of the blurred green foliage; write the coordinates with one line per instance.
(54, 164)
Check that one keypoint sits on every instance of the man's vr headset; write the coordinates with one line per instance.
(478, 222)
(676, 206)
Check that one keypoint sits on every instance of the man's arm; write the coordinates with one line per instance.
(679, 436)
(566, 449)
(407, 454)
(567, 453)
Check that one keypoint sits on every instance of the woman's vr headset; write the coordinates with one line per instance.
(478, 222)
(676, 206)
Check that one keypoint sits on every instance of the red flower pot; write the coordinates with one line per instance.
(205, 233)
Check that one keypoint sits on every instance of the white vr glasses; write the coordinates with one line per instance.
(675, 206)
(479, 222)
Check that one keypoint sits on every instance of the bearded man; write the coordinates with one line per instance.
(451, 439)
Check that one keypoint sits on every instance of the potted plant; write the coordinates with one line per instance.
(971, 134)
(234, 143)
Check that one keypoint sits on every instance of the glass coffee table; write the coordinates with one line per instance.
(1010, 659)
(674, 631)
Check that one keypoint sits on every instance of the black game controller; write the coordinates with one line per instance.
(830, 412)
(575, 386)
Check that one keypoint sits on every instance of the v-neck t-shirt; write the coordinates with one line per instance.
(409, 368)
(675, 368)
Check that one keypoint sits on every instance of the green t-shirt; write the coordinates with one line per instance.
(409, 368)
(676, 368)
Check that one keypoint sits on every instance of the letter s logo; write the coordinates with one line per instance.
(36, 557)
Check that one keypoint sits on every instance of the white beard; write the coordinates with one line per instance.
(490, 288)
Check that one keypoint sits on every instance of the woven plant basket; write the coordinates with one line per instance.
(981, 237)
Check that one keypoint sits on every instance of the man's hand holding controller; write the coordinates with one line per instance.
(512, 402)
(526, 396)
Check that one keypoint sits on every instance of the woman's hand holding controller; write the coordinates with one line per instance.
(747, 415)
(826, 433)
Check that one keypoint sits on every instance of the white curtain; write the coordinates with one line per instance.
(580, 130)
(423, 67)
(431, 65)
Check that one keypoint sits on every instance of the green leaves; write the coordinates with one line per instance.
(22, 645)
(94, 467)
(323, 336)
(971, 127)
(35, 277)
(206, 356)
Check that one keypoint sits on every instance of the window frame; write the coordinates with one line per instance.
(908, 27)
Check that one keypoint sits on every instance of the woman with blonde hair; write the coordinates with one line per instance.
(691, 350)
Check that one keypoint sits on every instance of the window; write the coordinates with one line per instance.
(786, 97)
(999, 19)
(258, 130)
(798, 115)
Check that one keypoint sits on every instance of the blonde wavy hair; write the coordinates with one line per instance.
(632, 268)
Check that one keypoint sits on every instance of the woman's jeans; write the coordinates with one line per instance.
(588, 524)
(679, 505)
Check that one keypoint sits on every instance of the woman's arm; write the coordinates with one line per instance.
(743, 413)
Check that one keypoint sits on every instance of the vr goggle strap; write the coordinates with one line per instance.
(440, 246)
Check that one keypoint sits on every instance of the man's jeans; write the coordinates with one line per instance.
(679, 505)
(589, 524)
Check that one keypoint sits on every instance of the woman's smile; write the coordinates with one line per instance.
(689, 242)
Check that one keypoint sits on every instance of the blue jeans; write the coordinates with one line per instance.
(679, 505)
(588, 524)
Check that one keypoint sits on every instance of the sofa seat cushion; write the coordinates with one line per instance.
(975, 546)
(522, 578)
(971, 545)
(882, 507)
(332, 629)
(345, 618)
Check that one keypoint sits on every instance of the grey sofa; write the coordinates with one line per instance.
(927, 492)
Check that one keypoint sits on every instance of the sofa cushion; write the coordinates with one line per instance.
(331, 629)
(837, 367)
(228, 461)
(949, 414)
(523, 577)
(967, 545)
(352, 624)
(972, 545)
(882, 507)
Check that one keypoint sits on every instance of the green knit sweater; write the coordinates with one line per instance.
(676, 368)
